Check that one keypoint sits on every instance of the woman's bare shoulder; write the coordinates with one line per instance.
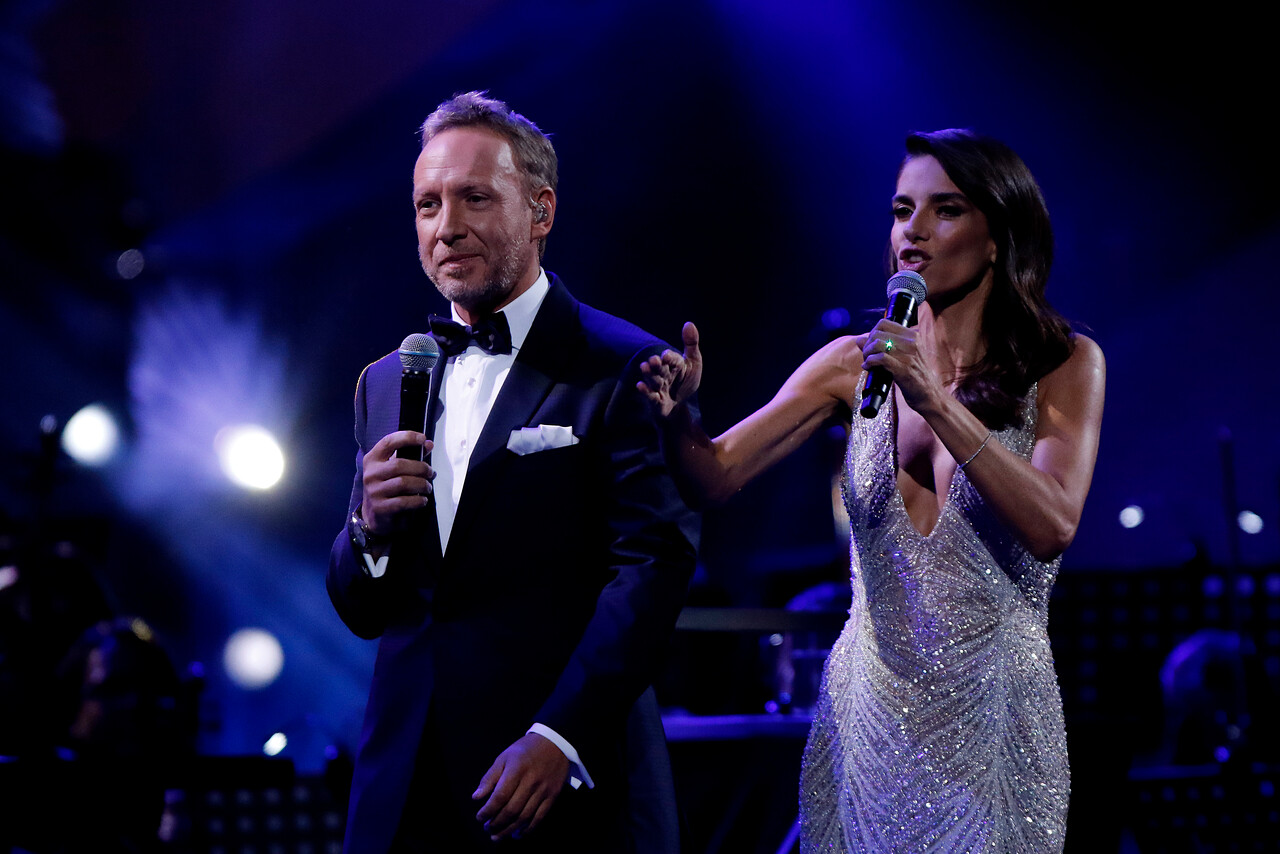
(1086, 359)
(1080, 381)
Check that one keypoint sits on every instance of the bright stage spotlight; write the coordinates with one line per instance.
(1132, 516)
(278, 742)
(1249, 522)
(253, 658)
(250, 456)
(91, 435)
(199, 367)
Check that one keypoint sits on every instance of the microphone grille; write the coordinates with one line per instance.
(909, 281)
(419, 352)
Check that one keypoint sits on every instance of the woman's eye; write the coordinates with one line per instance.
(951, 210)
(901, 212)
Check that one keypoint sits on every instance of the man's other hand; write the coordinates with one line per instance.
(520, 787)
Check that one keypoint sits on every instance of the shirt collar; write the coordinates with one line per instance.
(521, 311)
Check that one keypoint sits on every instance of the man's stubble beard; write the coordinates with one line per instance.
(482, 298)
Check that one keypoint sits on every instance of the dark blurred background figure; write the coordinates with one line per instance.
(129, 727)
(95, 722)
(124, 697)
(48, 597)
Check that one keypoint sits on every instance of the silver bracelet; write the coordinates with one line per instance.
(975, 453)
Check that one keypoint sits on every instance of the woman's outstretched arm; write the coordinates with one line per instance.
(712, 470)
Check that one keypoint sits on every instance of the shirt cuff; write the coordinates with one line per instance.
(577, 771)
(374, 568)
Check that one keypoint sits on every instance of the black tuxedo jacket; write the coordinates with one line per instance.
(564, 575)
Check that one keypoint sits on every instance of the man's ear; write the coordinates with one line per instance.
(543, 203)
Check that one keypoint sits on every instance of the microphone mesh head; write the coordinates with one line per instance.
(906, 280)
(419, 352)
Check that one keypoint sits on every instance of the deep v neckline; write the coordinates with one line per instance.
(897, 478)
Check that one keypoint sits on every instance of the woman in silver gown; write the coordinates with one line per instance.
(939, 723)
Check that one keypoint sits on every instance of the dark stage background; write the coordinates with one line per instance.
(206, 221)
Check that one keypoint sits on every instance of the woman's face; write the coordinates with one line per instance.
(937, 232)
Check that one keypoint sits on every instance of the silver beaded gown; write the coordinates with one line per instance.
(938, 727)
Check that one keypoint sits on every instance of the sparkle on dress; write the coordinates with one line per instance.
(938, 726)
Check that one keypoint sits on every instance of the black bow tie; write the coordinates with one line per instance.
(492, 334)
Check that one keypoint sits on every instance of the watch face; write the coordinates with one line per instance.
(356, 530)
(361, 536)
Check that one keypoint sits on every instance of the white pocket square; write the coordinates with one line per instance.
(544, 437)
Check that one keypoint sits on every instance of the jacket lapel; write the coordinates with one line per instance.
(431, 536)
(526, 387)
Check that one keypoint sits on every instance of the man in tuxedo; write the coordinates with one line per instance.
(525, 578)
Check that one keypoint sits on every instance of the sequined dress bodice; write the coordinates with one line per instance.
(939, 726)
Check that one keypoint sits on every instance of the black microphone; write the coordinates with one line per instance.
(906, 291)
(418, 355)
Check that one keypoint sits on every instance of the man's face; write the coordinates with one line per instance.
(476, 232)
